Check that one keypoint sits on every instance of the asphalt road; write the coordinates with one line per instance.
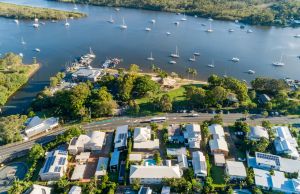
(19, 149)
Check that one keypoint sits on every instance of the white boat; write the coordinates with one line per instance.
(176, 54)
(172, 62)
(231, 30)
(75, 7)
(251, 71)
(235, 59)
(123, 25)
(37, 50)
(16, 21)
(209, 29)
(148, 29)
(236, 21)
(117, 9)
(196, 54)
(195, 16)
(22, 41)
(21, 55)
(111, 20)
(249, 31)
(91, 54)
(67, 23)
(192, 59)
(176, 23)
(297, 36)
(210, 19)
(212, 65)
(279, 63)
(168, 33)
(153, 21)
(150, 58)
(35, 25)
(36, 20)
(183, 18)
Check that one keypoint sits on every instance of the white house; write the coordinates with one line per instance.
(87, 74)
(192, 135)
(55, 166)
(182, 161)
(199, 164)
(75, 190)
(36, 125)
(284, 142)
(216, 131)
(153, 174)
(217, 144)
(235, 170)
(83, 157)
(142, 139)
(102, 165)
(257, 132)
(94, 141)
(38, 189)
(276, 182)
(78, 172)
(121, 136)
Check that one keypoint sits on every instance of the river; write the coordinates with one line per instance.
(60, 44)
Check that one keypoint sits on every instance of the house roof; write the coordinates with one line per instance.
(257, 132)
(121, 136)
(141, 134)
(218, 144)
(150, 144)
(135, 157)
(78, 172)
(166, 190)
(199, 163)
(176, 151)
(182, 161)
(83, 156)
(235, 168)
(154, 171)
(219, 158)
(36, 125)
(114, 160)
(216, 130)
(75, 190)
(38, 189)
(192, 131)
(55, 162)
(101, 166)
(96, 139)
(145, 190)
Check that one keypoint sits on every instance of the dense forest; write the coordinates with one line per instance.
(13, 75)
(264, 12)
(26, 12)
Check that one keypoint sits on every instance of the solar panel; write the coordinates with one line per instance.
(62, 161)
(62, 152)
(49, 163)
(269, 157)
(57, 169)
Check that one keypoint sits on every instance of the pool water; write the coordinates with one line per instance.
(151, 162)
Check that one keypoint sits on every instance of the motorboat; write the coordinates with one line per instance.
(251, 71)
(75, 7)
(183, 18)
(236, 21)
(67, 23)
(153, 21)
(176, 54)
(22, 41)
(210, 19)
(123, 25)
(176, 23)
(279, 63)
(117, 9)
(37, 50)
(209, 29)
(168, 33)
(150, 58)
(212, 65)
(196, 53)
(111, 20)
(172, 62)
(148, 29)
(235, 59)
(231, 30)
(16, 21)
(192, 59)
(35, 25)
(21, 55)
(249, 31)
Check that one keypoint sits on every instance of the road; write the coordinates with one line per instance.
(11, 151)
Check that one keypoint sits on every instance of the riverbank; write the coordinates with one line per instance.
(14, 11)
(261, 12)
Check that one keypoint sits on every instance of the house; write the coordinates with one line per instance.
(175, 134)
(219, 159)
(284, 142)
(38, 189)
(257, 132)
(78, 172)
(94, 142)
(153, 174)
(36, 125)
(114, 161)
(176, 151)
(55, 166)
(166, 190)
(216, 131)
(145, 190)
(121, 135)
(235, 170)
(268, 161)
(199, 164)
(276, 181)
(218, 146)
(83, 157)
(135, 157)
(75, 190)
(192, 135)
(182, 161)
(263, 99)
(87, 74)
(142, 139)
(101, 168)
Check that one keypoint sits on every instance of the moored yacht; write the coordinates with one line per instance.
(22, 41)
(111, 20)
(235, 59)
(148, 29)
(67, 23)
(279, 63)
(168, 33)
(249, 31)
(250, 71)
(212, 65)
(176, 54)
(172, 62)
(123, 25)
(176, 23)
(209, 29)
(196, 53)
(37, 50)
(192, 59)
(16, 21)
(153, 21)
(183, 18)
(150, 58)
(297, 36)
(231, 30)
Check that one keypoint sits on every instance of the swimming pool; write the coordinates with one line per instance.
(151, 162)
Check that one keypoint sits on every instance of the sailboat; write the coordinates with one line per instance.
(111, 20)
(235, 59)
(250, 71)
(168, 33)
(75, 7)
(153, 21)
(21, 55)
(184, 18)
(123, 25)
(36, 23)
(67, 23)
(192, 59)
(279, 63)
(231, 30)
(37, 50)
(172, 62)
(22, 41)
(150, 58)
(196, 53)
(16, 21)
(209, 29)
(91, 54)
(212, 65)
(176, 54)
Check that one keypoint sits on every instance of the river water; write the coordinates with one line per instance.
(60, 44)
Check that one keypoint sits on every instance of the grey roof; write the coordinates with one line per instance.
(257, 132)
(199, 163)
(264, 98)
(121, 136)
(235, 168)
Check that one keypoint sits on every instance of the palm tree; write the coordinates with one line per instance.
(189, 70)
(194, 73)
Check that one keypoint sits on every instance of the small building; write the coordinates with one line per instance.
(142, 139)
(263, 99)
(182, 161)
(218, 146)
(114, 161)
(38, 189)
(235, 170)
(101, 168)
(121, 136)
(36, 125)
(87, 74)
(285, 143)
(176, 151)
(78, 172)
(199, 164)
(166, 190)
(219, 159)
(94, 142)
(135, 157)
(145, 190)
(83, 157)
(216, 131)
(55, 166)
(257, 132)
(153, 174)
(75, 190)
(192, 136)
(175, 134)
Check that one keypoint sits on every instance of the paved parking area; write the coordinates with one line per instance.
(8, 174)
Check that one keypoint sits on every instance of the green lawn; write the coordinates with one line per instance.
(217, 173)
